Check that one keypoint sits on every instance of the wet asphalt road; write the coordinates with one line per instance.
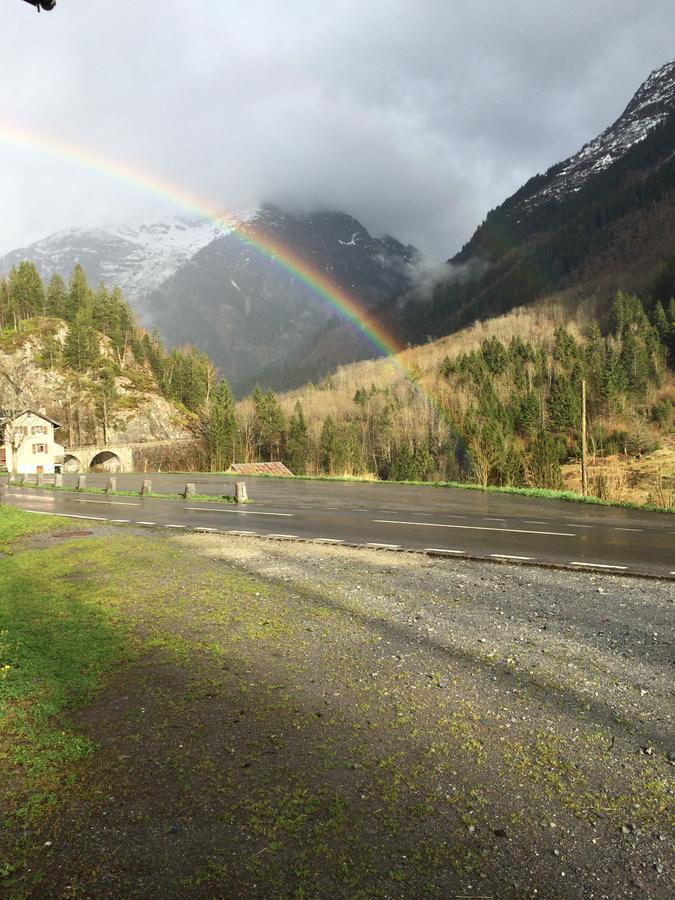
(450, 521)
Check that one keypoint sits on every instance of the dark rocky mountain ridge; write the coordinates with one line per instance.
(598, 221)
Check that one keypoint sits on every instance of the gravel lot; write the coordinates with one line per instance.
(319, 721)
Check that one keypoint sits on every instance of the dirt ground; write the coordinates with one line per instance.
(316, 721)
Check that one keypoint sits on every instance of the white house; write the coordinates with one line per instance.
(27, 444)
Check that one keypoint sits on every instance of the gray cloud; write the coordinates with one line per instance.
(416, 116)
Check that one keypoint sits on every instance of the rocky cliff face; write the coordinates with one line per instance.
(138, 414)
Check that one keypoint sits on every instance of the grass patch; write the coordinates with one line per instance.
(57, 639)
(14, 523)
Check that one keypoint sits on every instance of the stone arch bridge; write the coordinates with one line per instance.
(119, 457)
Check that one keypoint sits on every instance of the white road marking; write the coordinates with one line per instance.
(203, 528)
(109, 502)
(89, 518)
(507, 556)
(328, 540)
(146, 523)
(175, 526)
(374, 545)
(578, 525)
(475, 528)
(282, 536)
(591, 565)
(534, 522)
(242, 532)
(443, 550)
(119, 521)
(240, 512)
(629, 529)
(494, 519)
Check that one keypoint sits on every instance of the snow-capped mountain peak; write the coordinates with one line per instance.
(136, 256)
(653, 102)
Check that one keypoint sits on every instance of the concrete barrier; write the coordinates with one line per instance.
(240, 494)
(58, 480)
(189, 490)
(39, 478)
(81, 482)
(147, 487)
(111, 485)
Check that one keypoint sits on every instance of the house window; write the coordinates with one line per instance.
(38, 429)
(39, 448)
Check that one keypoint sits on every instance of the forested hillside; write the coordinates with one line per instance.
(77, 352)
(484, 410)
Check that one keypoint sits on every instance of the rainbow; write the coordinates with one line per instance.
(346, 306)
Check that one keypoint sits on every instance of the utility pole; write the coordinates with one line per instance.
(584, 458)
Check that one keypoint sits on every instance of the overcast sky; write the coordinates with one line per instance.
(416, 116)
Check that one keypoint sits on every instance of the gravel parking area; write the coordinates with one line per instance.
(319, 721)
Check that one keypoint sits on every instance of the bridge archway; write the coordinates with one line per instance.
(105, 461)
(71, 464)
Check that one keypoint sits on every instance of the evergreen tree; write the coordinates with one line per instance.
(271, 424)
(327, 445)
(221, 428)
(79, 297)
(545, 463)
(56, 296)
(81, 346)
(26, 290)
(297, 444)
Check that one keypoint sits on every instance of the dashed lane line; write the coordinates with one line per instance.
(374, 545)
(508, 556)
(534, 522)
(494, 519)
(475, 528)
(107, 502)
(146, 523)
(592, 565)
(284, 536)
(443, 551)
(629, 529)
(240, 512)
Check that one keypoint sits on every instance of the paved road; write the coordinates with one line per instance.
(449, 521)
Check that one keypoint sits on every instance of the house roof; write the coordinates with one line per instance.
(6, 416)
(259, 468)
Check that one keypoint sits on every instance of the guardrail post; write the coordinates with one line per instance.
(81, 482)
(111, 485)
(58, 480)
(189, 490)
(240, 495)
(147, 487)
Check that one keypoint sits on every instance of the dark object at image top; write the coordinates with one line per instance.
(42, 4)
